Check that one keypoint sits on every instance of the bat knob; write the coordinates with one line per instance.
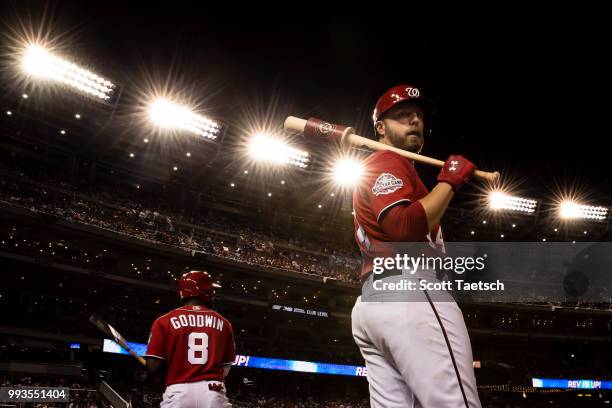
(487, 176)
(295, 124)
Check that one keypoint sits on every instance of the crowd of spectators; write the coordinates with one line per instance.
(247, 241)
(261, 401)
(213, 233)
(83, 394)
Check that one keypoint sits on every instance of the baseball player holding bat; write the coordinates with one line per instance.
(417, 353)
(416, 345)
(195, 345)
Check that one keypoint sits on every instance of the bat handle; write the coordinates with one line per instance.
(487, 175)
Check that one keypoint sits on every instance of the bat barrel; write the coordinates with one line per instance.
(318, 129)
(314, 128)
(295, 124)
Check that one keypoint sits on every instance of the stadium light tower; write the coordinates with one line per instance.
(169, 115)
(502, 201)
(569, 209)
(39, 63)
(269, 149)
(347, 172)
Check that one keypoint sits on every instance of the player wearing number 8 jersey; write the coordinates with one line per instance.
(195, 345)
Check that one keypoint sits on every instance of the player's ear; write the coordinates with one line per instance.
(380, 128)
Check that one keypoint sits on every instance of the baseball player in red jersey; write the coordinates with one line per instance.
(417, 350)
(196, 346)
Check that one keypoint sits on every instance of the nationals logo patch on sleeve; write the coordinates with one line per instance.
(387, 183)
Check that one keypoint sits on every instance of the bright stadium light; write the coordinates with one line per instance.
(170, 115)
(269, 149)
(347, 172)
(501, 201)
(572, 210)
(40, 63)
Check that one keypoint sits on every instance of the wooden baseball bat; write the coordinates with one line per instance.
(317, 128)
(117, 337)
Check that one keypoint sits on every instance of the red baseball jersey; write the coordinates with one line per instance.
(195, 342)
(389, 179)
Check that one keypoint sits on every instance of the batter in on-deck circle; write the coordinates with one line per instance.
(195, 345)
(417, 353)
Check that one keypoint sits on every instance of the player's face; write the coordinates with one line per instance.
(403, 127)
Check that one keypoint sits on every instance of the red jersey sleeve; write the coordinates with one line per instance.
(156, 347)
(389, 181)
(230, 348)
(405, 223)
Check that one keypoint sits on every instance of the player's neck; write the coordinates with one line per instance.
(197, 302)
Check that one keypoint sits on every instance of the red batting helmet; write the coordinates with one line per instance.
(197, 284)
(404, 93)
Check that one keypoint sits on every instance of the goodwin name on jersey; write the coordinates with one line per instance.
(191, 320)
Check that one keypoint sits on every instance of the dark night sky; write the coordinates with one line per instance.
(520, 90)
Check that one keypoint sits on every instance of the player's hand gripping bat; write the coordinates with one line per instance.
(317, 128)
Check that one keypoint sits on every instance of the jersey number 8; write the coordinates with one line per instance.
(194, 348)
